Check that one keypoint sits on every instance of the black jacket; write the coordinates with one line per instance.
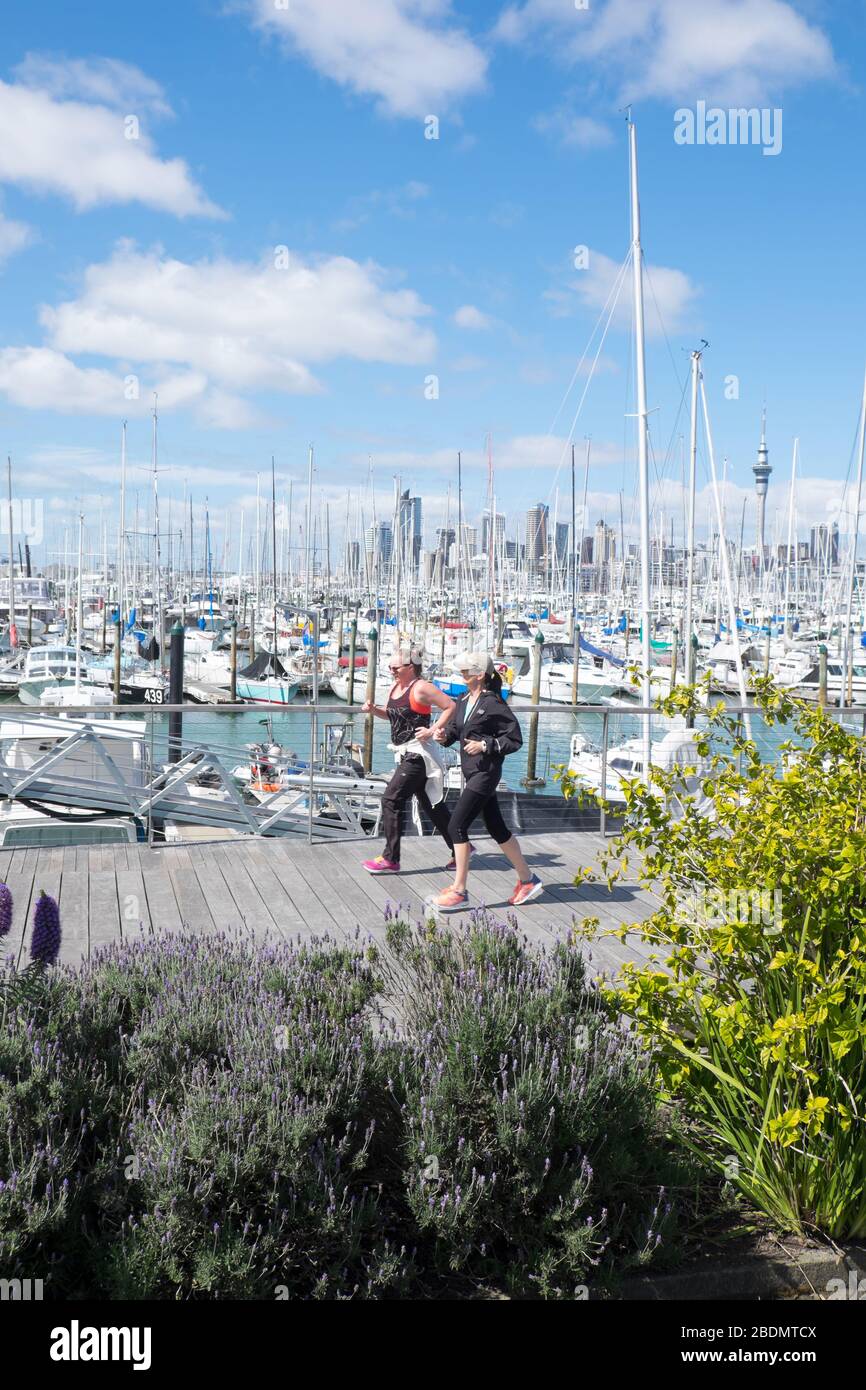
(489, 719)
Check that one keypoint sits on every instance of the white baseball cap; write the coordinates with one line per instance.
(475, 664)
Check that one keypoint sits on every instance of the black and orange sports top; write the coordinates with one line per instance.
(407, 714)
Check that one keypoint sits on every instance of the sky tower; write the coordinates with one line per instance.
(762, 471)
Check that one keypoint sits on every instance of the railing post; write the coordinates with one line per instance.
(604, 732)
(233, 681)
(314, 726)
(372, 656)
(530, 781)
(575, 659)
(691, 672)
(117, 640)
(353, 643)
(822, 675)
(175, 692)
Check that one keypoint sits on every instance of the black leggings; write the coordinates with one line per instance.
(410, 779)
(470, 803)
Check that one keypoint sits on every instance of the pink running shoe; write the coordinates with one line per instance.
(527, 892)
(381, 865)
(450, 900)
(452, 862)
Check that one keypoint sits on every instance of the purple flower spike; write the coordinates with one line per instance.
(45, 942)
(5, 910)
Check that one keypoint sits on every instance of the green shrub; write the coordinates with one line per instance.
(757, 1019)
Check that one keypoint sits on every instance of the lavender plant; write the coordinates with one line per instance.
(210, 1118)
(5, 909)
(47, 935)
(534, 1152)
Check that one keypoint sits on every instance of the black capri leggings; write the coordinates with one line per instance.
(472, 801)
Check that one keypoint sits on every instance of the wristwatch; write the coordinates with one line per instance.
(484, 745)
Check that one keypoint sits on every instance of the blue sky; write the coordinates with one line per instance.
(303, 127)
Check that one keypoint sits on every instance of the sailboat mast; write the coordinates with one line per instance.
(13, 631)
(690, 523)
(459, 536)
(121, 539)
(307, 530)
(274, 549)
(849, 665)
(79, 611)
(157, 579)
(643, 444)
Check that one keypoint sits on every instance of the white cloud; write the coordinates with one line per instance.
(407, 53)
(730, 50)
(80, 150)
(215, 330)
(584, 132)
(669, 295)
(41, 378)
(106, 81)
(14, 236)
(467, 316)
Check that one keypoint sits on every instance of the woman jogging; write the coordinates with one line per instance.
(487, 732)
(408, 709)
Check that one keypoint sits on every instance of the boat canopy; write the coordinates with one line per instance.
(600, 652)
(265, 664)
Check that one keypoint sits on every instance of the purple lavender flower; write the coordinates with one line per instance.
(5, 910)
(45, 942)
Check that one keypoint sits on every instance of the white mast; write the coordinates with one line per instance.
(307, 531)
(849, 663)
(724, 562)
(79, 614)
(788, 558)
(13, 631)
(690, 525)
(157, 579)
(121, 539)
(643, 445)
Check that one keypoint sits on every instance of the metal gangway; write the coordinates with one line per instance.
(107, 766)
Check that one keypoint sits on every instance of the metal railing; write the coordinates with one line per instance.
(82, 767)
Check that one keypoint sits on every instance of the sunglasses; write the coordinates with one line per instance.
(400, 667)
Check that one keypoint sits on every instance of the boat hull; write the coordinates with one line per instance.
(272, 692)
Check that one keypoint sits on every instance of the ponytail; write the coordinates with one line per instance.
(493, 682)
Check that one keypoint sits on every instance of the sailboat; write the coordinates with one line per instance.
(66, 693)
(266, 681)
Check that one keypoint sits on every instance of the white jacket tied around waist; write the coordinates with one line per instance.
(434, 763)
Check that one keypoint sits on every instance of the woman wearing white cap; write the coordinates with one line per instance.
(487, 731)
(408, 709)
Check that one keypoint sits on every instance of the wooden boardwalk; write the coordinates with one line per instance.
(288, 888)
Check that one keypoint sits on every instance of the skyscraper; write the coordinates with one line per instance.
(378, 543)
(536, 538)
(410, 529)
(498, 533)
